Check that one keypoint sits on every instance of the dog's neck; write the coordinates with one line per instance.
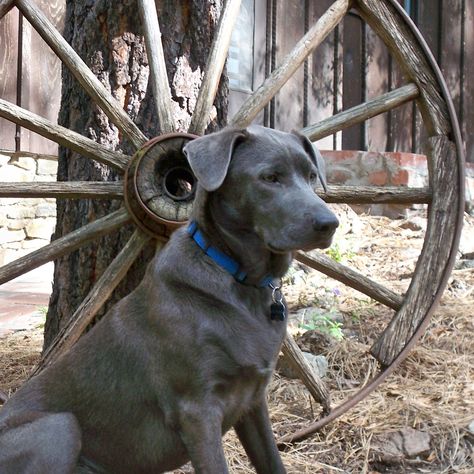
(228, 234)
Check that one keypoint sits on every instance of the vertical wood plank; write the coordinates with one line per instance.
(5, 7)
(289, 100)
(260, 47)
(451, 47)
(377, 84)
(352, 81)
(401, 118)
(236, 96)
(42, 77)
(8, 58)
(325, 76)
(467, 103)
(386, 20)
(429, 23)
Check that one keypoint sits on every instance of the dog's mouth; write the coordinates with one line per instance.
(320, 244)
(324, 244)
(274, 249)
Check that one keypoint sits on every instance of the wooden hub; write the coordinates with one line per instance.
(160, 186)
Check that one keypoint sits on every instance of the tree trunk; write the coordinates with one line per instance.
(108, 36)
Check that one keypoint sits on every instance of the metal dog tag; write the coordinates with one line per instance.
(277, 308)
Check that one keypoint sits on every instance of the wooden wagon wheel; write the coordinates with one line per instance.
(425, 85)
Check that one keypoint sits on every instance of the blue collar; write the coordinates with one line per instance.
(222, 259)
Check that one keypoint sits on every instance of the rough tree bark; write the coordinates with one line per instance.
(108, 36)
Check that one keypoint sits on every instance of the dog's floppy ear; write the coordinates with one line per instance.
(317, 159)
(209, 156)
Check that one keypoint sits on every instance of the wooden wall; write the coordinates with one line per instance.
(351, 66)
(41, 77)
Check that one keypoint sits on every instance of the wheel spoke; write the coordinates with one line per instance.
(257, 101)
(5, 7)
(98, 295)
(156, 59)
(360, 113)
(62, 189)
(351, 278)
(214, 66)
(81, 72)
(376, 194)
(63, 136)
(64, 245)
(308, 376)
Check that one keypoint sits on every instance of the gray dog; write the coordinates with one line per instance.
(189, 353)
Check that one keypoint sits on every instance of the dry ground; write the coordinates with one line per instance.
(432, 391)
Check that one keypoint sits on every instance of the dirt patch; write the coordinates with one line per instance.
(417, 421)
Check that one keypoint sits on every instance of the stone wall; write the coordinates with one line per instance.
(25, 224)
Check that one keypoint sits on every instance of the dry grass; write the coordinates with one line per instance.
(432, 390)
(19, 353)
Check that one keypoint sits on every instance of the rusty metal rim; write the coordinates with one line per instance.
(380, 378)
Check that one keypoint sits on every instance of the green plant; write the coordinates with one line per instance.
(43, 310)
(325, 323)
(336, 253)
(364, 308)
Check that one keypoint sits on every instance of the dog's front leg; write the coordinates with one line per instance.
(255, 433)
(201, 433)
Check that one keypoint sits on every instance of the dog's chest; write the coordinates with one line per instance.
(246, 362)
(238, 394)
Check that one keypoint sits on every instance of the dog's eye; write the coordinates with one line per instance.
(313, 177)
(270, 178)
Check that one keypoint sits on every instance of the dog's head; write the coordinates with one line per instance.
(266, 182)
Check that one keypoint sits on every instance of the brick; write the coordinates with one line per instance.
(40, 228)
(413, 160)
(7, 202)
(7, 236)
(338, 156)
(339, 175)
(402, 178)
(8, 255)
(21, 212)
(16, 224)
(33, 244)
(48, 178)
(46, 210)
(4, 160)
(11, 174)
(47, 167)
(371, 162)
(13, 245)
(24, 162)
(378, 178)
(3, 218)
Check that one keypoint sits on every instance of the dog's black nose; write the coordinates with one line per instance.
(326, 223)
